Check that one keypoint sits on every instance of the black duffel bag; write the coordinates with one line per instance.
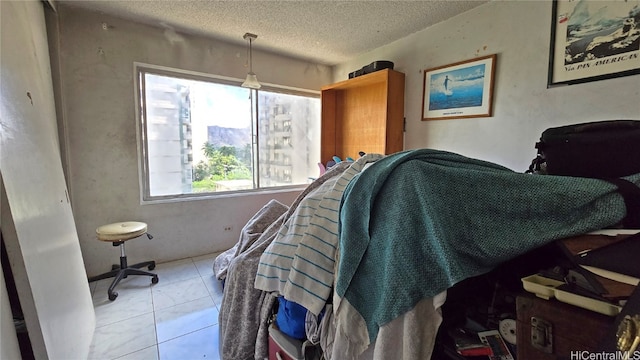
(602, 149)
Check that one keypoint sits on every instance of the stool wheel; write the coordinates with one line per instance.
(154, 280)
(151, 266)
(113, 296)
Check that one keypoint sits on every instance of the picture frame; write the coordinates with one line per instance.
(593, 40)
(460, 90)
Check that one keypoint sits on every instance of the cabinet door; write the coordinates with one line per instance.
(38, 226)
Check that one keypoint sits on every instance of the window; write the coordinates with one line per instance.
(203, 135)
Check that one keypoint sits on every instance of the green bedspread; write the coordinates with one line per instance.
(417, 222)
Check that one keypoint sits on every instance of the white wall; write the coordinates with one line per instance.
(37, 222)
(96, 91)
(519, 32)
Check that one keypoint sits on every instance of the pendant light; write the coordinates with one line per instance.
(252, 80)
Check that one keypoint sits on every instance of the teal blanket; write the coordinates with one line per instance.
(417, 222)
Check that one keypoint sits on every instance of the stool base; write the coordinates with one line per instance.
(123, 271)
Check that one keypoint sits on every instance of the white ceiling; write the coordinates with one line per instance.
(326, 32)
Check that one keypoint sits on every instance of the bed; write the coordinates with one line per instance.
(377, 243)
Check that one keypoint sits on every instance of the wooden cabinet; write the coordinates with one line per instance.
(365, 113)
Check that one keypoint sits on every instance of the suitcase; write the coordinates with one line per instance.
(602, 149)
(284, 347)
(551, 330)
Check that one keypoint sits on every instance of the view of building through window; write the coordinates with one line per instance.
(202, 136)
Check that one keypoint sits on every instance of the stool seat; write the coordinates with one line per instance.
(121, 231)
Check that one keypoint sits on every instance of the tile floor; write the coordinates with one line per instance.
(175, 319)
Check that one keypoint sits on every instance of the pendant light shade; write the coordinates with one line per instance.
(252, 80)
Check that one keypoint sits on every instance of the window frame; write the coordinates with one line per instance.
(140, 68)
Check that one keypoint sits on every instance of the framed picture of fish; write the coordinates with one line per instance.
(460, 90)
(593, 40)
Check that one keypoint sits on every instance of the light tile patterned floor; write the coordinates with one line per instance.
(175, 319)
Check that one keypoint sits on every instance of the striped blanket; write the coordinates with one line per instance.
(299, 263)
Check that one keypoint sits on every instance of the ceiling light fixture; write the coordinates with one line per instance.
(252, 80)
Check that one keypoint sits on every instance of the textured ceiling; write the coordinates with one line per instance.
(327, 32)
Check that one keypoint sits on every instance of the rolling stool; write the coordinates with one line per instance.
(117, 234)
